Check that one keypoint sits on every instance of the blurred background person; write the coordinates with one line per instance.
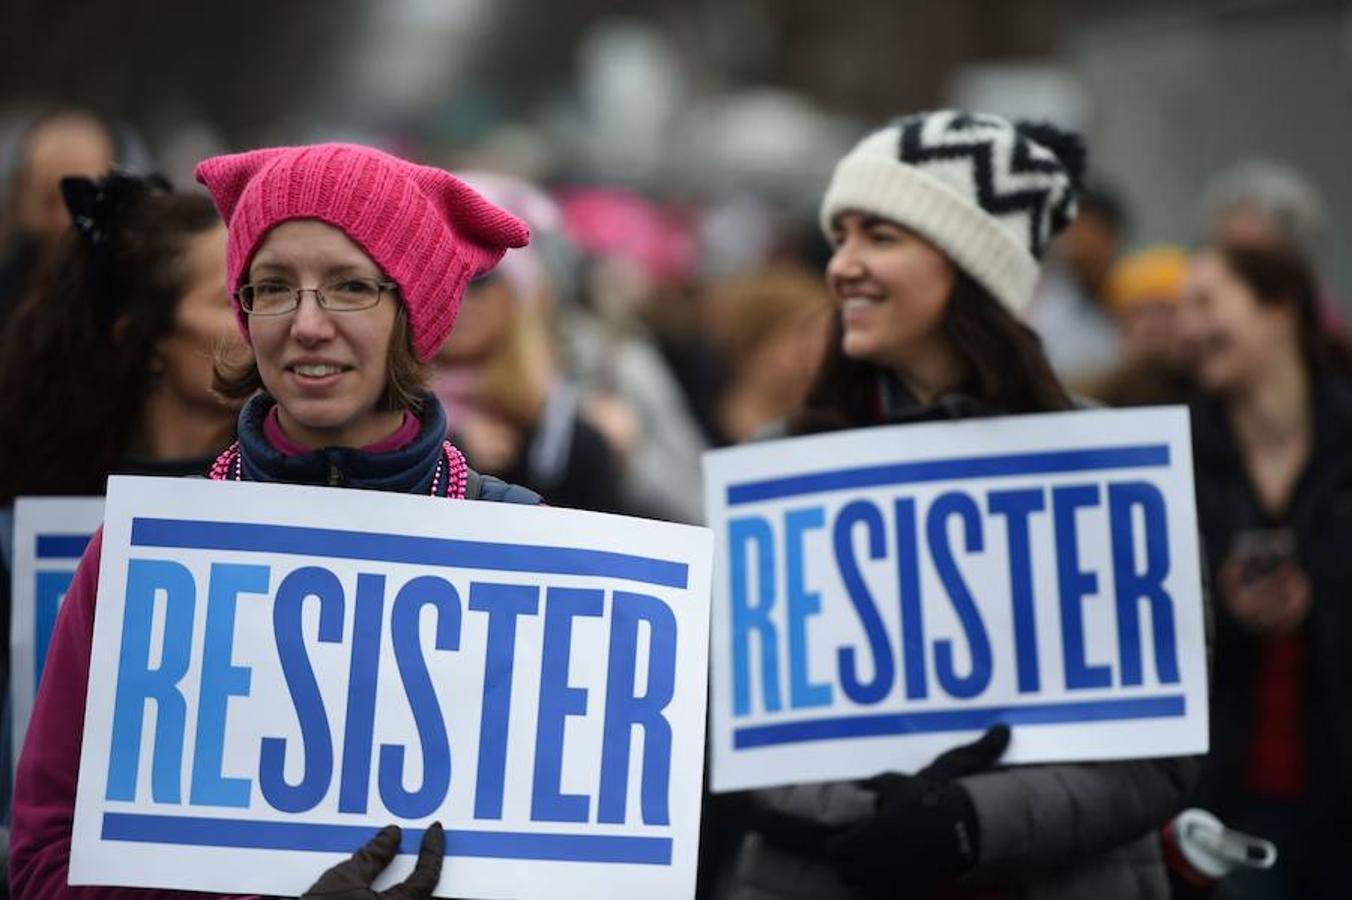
(630, 392)
(509, 404)
(1143, 292)
(55, 145)
(773, 326)
(106, 367)
(1260, 203)
(1070, 309)
(1272, 432)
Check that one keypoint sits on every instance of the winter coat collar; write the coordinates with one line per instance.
(408, 469)
(897, 405)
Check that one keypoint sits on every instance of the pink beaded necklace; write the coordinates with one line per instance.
(229, 466)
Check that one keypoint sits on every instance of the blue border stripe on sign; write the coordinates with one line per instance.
(399, 548)
(956, 469)
(253, 835)
(62, 546)
(875, 725)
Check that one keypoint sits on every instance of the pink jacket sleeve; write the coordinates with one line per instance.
(44, 786)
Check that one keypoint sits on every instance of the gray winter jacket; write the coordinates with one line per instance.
(1047, 832)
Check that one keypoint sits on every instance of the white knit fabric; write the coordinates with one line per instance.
(985, 194)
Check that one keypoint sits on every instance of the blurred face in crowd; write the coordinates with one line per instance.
(789, 355)
(1089, 245)
(891, 287)
(485, 317)
(1231, 336)
(203, 323)
(1149, 332)
(1245, 226)
(327, 370)
(62, 146)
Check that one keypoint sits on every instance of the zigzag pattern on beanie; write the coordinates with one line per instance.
(1012, 177)
(988, 193)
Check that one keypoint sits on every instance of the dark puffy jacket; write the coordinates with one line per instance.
(1050, 832)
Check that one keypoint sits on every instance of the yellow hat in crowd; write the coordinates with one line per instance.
(1152, 276)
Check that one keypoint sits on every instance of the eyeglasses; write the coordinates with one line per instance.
(277, 298)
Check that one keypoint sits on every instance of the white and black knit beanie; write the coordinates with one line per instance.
(990, 193)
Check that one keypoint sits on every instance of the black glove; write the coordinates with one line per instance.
(924, 830)
(351, 880)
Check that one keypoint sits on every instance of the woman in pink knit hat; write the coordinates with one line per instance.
(347, 267)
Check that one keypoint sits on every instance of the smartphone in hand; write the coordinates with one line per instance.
(1262, 551)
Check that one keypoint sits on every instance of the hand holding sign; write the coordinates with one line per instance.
(351, 880)
(925, 829)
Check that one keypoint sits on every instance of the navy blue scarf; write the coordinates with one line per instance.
(410, 469)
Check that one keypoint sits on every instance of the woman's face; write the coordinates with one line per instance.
(1230, 336)
(203, 322)
(485, 317)
(891, 286)
(327, 370)
(786, 359)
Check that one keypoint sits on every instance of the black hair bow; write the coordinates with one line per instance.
(96, 204)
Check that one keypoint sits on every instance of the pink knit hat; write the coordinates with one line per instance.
(427, 230)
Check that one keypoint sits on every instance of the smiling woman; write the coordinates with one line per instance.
(893, 286)
(338, 358)
(931, 285)
(343, 301)
(938, 223)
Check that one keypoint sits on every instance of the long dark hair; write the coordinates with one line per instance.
(1281, 276)
(1007, 370)
(76, 358)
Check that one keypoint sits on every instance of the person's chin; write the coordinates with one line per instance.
(860, 347)
(319, 414)
(1213, 378)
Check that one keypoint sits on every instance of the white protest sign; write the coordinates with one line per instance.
(50, 534)
(883, 594)
(323, 662)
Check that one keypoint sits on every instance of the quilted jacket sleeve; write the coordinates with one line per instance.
(1036, 818)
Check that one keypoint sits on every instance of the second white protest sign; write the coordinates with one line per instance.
(884, 594)
(50, 535)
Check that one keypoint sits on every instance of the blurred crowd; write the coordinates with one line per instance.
(597, 364)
